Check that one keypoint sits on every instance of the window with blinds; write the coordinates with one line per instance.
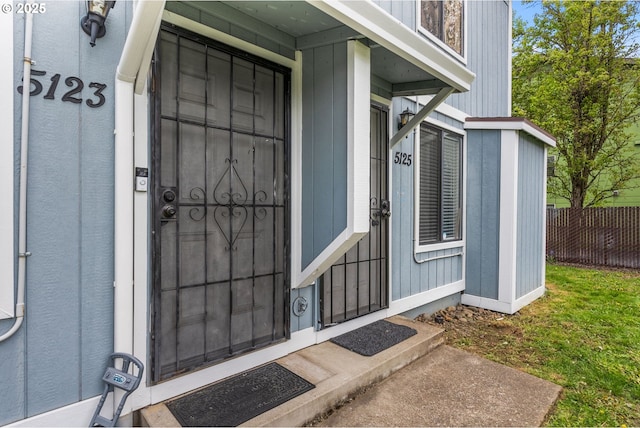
(440, 193)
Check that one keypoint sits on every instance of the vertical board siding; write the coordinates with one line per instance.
(403, 10)
(306, 320)
(324, 148)
(488, 57)
(529, 247)
(68, 330)
(12, 358)
(483, 206)
(409, 277)
(338, 108)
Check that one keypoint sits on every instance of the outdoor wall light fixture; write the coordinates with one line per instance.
(93, 23)
(405, 117)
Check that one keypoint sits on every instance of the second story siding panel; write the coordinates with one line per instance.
(488, 47)
(402, 10)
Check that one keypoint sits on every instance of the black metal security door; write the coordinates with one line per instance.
(220, 193)
(356, 284)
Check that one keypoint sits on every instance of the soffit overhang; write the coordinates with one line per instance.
(399, 44)
(406, 60)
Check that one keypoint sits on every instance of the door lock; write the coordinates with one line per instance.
(169, 195)
(382, 213)
(385, 211)
(169, 211)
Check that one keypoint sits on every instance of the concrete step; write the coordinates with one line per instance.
(337, 373)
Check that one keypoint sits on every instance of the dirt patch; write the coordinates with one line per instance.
(475, 329)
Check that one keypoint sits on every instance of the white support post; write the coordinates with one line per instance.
(508, 216)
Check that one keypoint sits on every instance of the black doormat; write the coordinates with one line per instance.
(374, 338)
(240, 398)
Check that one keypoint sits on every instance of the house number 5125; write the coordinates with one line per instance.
(72, 95)
(402, 158)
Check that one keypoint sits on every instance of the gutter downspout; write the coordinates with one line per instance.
(133, 66)
(24, 156)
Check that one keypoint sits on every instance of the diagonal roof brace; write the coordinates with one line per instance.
(421, 115)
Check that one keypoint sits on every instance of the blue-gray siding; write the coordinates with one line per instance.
(409, 277)
(530, 224)
(324, 148)
(403, 10)
(488, 57)
(483, 208)
(306, 319)
(59, 354)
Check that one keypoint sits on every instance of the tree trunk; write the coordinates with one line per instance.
(578, 194)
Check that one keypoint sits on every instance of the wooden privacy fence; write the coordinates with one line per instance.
(594, 236)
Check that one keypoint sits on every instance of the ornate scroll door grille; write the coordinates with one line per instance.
(220, 197)
(356, 284)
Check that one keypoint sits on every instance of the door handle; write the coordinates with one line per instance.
(382, 213)
(169, 211)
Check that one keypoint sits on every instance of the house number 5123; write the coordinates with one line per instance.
(72, 95)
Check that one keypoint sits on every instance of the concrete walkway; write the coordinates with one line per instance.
(450, 387)
(418, 382)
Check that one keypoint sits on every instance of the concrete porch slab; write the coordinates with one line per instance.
(336, 372)
(418, 382)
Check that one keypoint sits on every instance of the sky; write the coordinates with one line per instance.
(526, 11)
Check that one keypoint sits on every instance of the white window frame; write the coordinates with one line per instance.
(432, 37)
(416, 178)
(7, 260)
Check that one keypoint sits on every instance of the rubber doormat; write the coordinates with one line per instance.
(239, 398)
(374, 338)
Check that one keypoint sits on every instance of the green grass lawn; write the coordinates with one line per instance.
(584, 335)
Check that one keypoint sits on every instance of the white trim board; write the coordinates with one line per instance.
(510, 123)
(78, 414)
(501, 306)
(7, 257)
(415, 301)
(508, 225)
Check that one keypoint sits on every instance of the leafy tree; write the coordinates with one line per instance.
(576, 73)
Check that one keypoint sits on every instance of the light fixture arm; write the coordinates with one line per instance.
(93, 22)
